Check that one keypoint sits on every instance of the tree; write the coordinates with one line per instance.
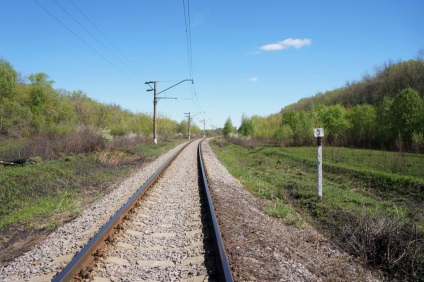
(228, 127)
(335, 122)
(300, 124)
(8, 79)
(15, 119)
(406, 114)
(363, 120)
(246, 128)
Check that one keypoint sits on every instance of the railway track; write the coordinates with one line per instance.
(167, 231)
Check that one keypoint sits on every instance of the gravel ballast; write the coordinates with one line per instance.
(164, 240)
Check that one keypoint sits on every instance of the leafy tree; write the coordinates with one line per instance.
(42, 101)
(335, 122)
(384, 129)
(183, 127)
(406, 114)
(267, 127)
(363, 120)
(15, 120)
(246, 128)
(228, 127)
(8, 79)
(166, 127)
(300, 124)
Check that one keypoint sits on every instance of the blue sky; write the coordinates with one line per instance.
(248, 57)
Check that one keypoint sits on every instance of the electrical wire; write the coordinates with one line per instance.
(94, 37)
(86, 43)
(107, 39)
(187, 22)
(188, 36)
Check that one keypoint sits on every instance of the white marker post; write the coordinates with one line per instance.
(319, 133)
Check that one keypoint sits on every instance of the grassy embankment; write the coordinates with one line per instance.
(41, 196)
(372, 201)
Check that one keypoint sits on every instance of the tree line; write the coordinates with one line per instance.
(384, 111)
(30, 106)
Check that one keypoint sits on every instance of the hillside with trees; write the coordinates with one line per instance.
(30, 106)
(384, 111)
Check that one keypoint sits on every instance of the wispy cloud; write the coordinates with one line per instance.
(286, 43)
(253, 79)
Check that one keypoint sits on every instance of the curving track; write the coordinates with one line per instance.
(167, 234)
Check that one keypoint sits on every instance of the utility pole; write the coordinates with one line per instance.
(204, 125)
(188, 116)
(155, 101)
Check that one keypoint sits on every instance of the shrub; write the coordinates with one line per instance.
(84, 140)
(394, 245)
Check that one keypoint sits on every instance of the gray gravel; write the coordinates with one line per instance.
(164, 240)
(45, 260)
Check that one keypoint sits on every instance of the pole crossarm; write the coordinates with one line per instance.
(197, 114)
(175, 85)
(155, 101)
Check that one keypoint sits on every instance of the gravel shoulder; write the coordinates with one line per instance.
(262, 248)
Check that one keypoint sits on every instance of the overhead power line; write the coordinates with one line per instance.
(187, 23)
(107, 39)
(85, 42)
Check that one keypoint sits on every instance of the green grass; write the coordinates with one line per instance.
(286, 179)
(269, 174)
(63, 202)
(48, 192)
(406, 164)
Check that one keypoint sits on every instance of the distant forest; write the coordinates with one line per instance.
(384, 111)
(30, 106)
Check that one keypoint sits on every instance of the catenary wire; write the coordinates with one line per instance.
(86, 43)
(107, 39)
(188, 40)
(92, 36)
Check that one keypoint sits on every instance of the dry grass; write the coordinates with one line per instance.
(392, 244)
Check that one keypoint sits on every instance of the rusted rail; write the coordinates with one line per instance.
(224, 271)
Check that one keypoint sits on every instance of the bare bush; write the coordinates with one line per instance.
(393, 245)
(128, 140)
(85, 140)
(245, 142)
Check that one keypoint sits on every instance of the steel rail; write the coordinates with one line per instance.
(224, 271)
(87, 255)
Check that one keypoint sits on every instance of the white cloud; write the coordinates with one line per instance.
(253, 79)
(286, 43)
